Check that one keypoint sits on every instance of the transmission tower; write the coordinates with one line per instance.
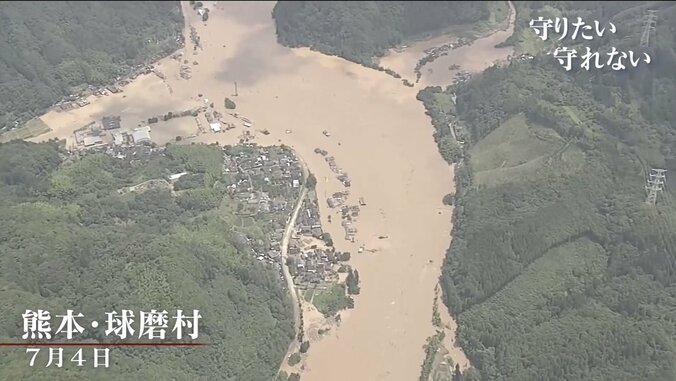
(649, 24)
(655, 184)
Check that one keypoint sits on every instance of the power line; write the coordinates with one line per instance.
(655, 183)
(649, 24)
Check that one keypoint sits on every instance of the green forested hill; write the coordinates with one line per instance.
(558, 270)
(361, 30)
(49, 49)
(68, 239)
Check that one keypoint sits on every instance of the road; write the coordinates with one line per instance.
(288, 232)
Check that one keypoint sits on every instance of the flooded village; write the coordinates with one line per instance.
(111, 131)
(263, 184)
(378, 149)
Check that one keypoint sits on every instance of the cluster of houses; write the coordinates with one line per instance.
(264, 183)
(266, 180)
(438, 51)
(215, 122)
(349, 215)
(132, 152)
(255, 202)
(337, 199)
(521, 57)
(308, 221)
(266, 167)
(74, 101)
(109, 133)
(315, 267)
(270, 207)
(342, 177)
(185, 70)
(435, 52)
(461, 76)
(312, 259)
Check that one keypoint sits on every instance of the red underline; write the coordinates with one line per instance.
(102, 344)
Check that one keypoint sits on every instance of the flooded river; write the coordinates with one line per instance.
(379, 135)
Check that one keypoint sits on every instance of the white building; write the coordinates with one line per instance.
(215, 127)
(177, 176)
(118, 139)
(141, 135)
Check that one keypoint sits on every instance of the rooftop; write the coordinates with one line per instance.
(111, 122)
(141, 135)
(92, 140)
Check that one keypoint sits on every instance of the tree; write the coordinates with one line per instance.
(471, 374)
(294, 359)
(55, 61)
(527, 230)
(449, 199)
(457, 374)
(304, 346)
(229, 104)
(347, 28)
(352, 282)
(311, 181)
(326, 237)
(76, 200)
(450, 149)
(294, 377)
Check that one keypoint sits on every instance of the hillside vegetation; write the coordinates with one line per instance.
(621, 13)
(558, 269)
(49, 50)
(361, 30)
(69, 240)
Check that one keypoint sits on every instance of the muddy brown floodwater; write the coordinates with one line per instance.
(380, 136)
(473, 58)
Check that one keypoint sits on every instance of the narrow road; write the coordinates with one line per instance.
(293, 346)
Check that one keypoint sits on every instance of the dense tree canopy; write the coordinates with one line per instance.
(68, 239)
(558, 269)
(361, 30)
(49, 50)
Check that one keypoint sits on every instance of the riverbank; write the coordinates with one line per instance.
(472, 58)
